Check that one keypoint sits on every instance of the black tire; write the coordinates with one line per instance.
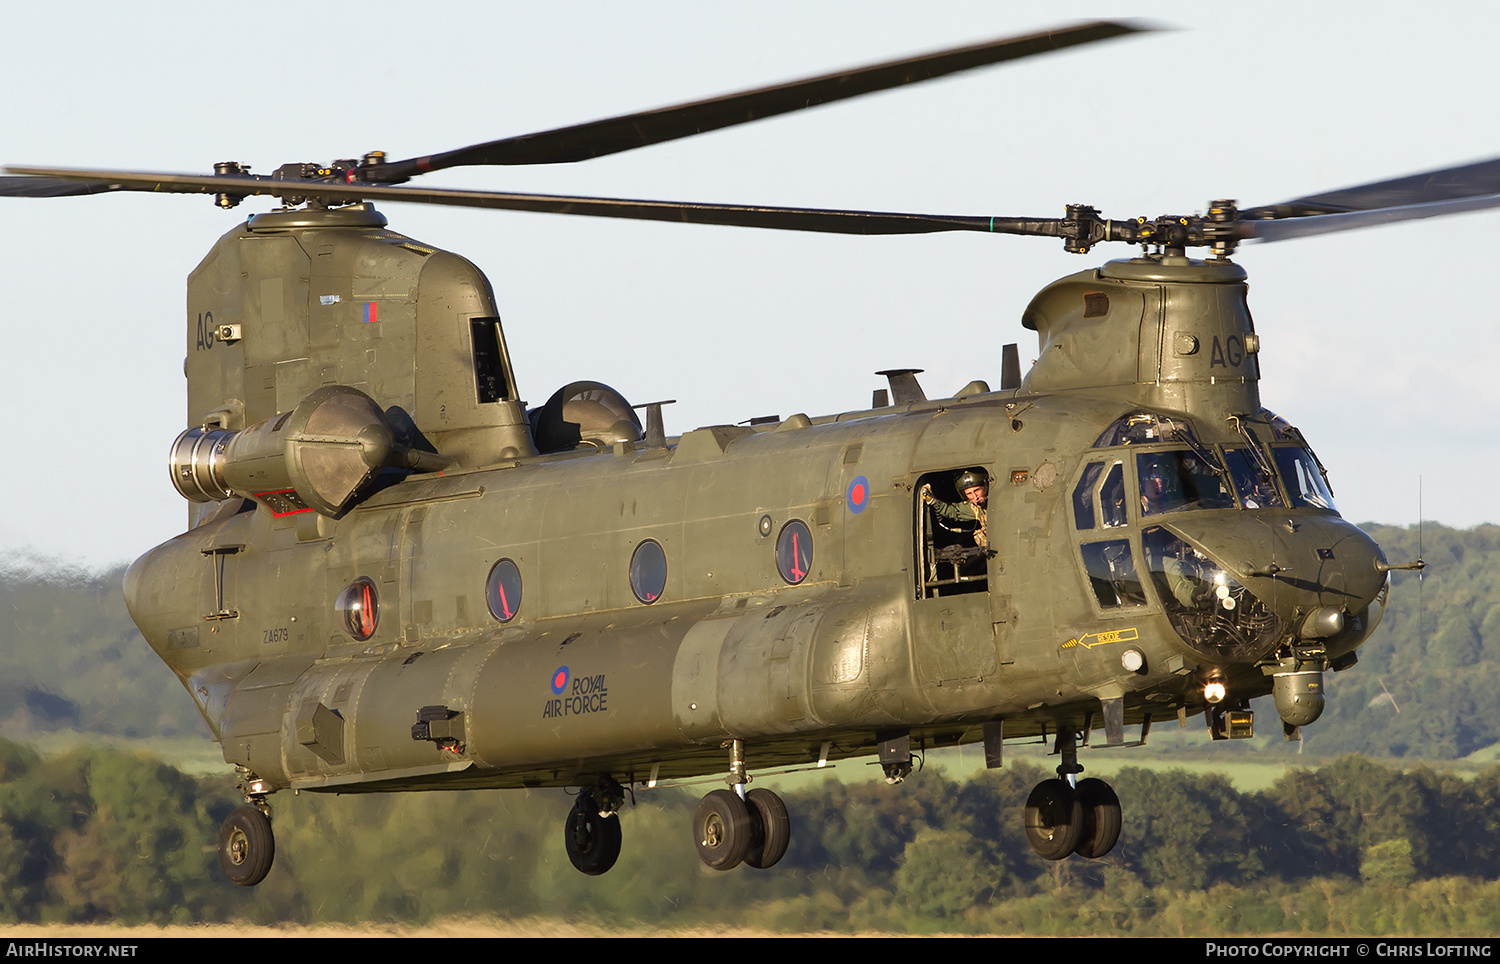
(769, 814)
(1101, 819)
(722, 829)
(1054, 819)
(246, 846)
(593, 841)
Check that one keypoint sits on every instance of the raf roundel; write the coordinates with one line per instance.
(559, 680)
(858, 495)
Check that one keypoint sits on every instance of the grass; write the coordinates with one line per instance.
(1249, 765)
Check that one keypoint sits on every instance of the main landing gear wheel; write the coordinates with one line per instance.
(773, 826)
(1054, 819)
(722, 829)
(593, 840)
(246, 846)
(1101, 818)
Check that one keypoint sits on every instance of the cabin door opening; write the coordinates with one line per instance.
(949, 562)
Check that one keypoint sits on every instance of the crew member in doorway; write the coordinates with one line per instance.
(969, 515)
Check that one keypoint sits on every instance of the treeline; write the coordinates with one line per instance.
(70, 660)
(1354, 847)
(1426, 680)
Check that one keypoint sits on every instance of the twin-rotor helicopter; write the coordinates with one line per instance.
(397, 576)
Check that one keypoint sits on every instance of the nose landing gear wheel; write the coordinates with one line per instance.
(593, 841)
(722, 829)
(1054, 819)
(769, 815)
(246, 846)
(1101, 818)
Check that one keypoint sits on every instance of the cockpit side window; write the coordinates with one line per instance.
(1109, 564)
(1109, 508)
(1112, 497)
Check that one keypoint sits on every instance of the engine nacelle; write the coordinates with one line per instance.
(317, 456)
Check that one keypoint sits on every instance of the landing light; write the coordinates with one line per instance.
(1213, 691)
(1132, 659)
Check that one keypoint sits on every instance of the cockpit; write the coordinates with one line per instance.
(1147, 471)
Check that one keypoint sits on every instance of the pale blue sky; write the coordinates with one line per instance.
(1381, 345)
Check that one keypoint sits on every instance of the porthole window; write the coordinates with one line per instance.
(359, 607)
(794, 551)
(503, 590)
(648, 572)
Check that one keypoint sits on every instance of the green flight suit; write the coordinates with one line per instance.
(964, 514)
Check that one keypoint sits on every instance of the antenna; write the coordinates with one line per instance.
(1010, 368)
(656, 436)
(904, 386)
(1421, 564)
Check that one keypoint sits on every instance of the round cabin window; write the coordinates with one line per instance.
(503, 590)
(648, 571)
(794, 551)
(359, 607)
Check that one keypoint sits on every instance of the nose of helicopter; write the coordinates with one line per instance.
(1314, 571)
(1320, 568)
(1341, 561)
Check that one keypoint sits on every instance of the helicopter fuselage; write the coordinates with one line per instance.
(398, 577)
(573, 670)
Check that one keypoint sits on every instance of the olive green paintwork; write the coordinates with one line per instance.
(242, 605)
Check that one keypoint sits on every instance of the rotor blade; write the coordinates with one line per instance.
(1444, 184)
(51, 187)
(612, 135)
(1300, 227)
(734, 215)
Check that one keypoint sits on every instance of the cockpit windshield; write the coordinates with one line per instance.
(1252, 483)
(1180, 481)
(1305, 485)
(1301, 473)
(1259, 472)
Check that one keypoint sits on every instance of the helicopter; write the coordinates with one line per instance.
(385, 551)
